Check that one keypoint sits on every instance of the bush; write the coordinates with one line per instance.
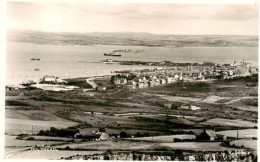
(31, 138)
(16, 103)
(58, 132)
(123, 134)
(102, 130)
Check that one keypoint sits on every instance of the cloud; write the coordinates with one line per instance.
(141, 17)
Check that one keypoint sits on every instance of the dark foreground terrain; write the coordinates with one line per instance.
(118, 124)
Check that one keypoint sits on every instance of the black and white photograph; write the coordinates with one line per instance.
(131, 81)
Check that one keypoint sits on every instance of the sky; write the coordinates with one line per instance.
(182, 19)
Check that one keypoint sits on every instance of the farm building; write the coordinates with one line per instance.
(206, 135)
(104, 137)
(167, 105)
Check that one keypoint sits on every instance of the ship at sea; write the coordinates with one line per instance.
(35, 59)
(112, 54)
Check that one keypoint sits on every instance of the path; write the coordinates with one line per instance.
(91, 82)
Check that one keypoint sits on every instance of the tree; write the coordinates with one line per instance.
(101, 130)
(53, 130)
(41, 133)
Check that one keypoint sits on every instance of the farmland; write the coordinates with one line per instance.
(135, 120)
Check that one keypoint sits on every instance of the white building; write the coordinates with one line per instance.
(49, 78)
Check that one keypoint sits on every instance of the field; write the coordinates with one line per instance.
(137, 120)
(252, 144)
(164, 138)
(228, 122)
(52, 155)
(18, 122)
(109, 145)
(11, 141)
(196, 146)
(243, 133)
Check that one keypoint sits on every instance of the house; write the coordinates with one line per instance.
(194, 108)
(206, 135)
(58, 80)
(151, 83)
(176, 76)
(123, 81)
(104, 137)
(140, 85)
(120, 81)
(167, 105)
(169, 80)
(101, 88)
(162, 81)
(200, 76)
(131, 85)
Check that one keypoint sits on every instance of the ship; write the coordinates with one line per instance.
(35, 59)
(112, 54)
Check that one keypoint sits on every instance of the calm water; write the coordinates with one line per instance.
(63, 61)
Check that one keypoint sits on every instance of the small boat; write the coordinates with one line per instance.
(35, 59)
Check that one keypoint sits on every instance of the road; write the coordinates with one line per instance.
(91, 82)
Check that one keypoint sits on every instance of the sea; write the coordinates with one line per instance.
(72, 61)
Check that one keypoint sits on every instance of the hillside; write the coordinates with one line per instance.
(131, 39)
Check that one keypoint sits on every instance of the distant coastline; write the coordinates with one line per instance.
(132, 39)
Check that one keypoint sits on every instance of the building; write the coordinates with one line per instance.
(58, 80)
(168, 105)
(47, 78)
(206, 135)
(104, 137)
(194, 108)
(101, 88)
(162, 81)
(169, 80)
(151, 83)
(120, 81)
(131, 85)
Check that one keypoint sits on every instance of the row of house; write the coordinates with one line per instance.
(144, 82)
(154, 77)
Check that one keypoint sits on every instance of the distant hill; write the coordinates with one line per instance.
(130, 39)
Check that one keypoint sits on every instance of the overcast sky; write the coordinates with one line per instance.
(118, 17)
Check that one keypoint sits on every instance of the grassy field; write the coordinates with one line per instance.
(196, 146)
(17, 122)
(228, 122)
(52, 155)
(109, 145)
(11, 141)
(164, 139)
(252, 144)
(244, 133)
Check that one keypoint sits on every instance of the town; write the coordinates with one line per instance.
(168, 72)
